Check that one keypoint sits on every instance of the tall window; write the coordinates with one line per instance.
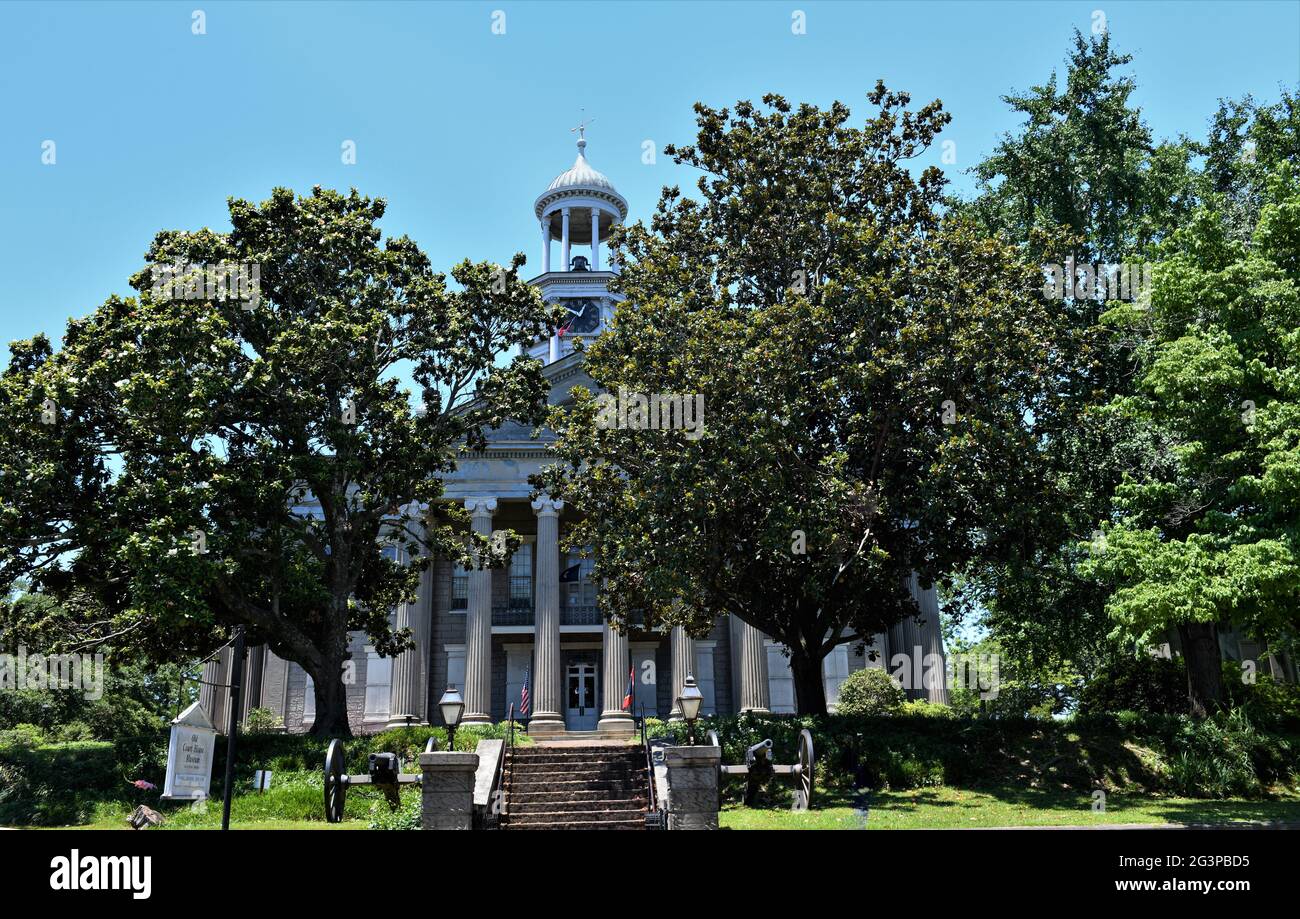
(579, 588)
(379, 679)
(521, 578)
(459, 589)
(309, 702)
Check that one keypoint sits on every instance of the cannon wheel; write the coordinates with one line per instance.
(804, 776)
(713, 739)
(431, 745)
(335, 788)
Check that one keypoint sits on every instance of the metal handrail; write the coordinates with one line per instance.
(653, 795)
(499, 780)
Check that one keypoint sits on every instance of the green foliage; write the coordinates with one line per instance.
(275, 430)
(1140, 683)
(825, 308)
(870, 691)
(1206, 529)
(919, 746)
(262, 721)
(406, 817)
(25, 736)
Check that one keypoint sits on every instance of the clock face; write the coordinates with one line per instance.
(584, 315)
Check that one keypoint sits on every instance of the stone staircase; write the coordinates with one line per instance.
(575, 788)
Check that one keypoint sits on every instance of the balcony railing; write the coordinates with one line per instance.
(569, 615)
(580, 615)
(512, 615)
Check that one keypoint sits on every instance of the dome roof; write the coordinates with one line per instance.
(581, 180)
(581, 175)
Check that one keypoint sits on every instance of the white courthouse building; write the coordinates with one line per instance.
(485, 631)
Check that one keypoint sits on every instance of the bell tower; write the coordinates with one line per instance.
(579, 210)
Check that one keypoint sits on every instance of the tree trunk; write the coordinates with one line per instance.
(1204, 667)
(331, 701)
(809, 688)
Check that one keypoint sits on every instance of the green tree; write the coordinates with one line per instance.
(188, 462)
(1207, 531)
(872, 377)
(1084, 162)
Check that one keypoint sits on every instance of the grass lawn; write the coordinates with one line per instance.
(951, 808)
(294, 802)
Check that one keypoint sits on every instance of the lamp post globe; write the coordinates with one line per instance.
(690, 702)
(452, 706)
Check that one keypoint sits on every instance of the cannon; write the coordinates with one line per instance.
(382, 772)
(759, 769)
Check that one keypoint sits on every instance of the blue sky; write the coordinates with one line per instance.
(460, 129)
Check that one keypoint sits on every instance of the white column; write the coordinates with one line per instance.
(613, 720)
(754, 694)
(409, 689)
(595, 239)
(548, 692)
(478, 624)
(683, 663)
(546, 245)
(564, 237)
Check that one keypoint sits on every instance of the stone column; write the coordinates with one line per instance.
(478, 624)
(613, 720)
(548, 692)
(906, 656)
(209, 697)
(564, 237)
(683, 663)
(692, 787)
(546, 245)
(408, 686)
(933, 686)
(754, 690)
(595, 239)
(447, 792)
(253, 679)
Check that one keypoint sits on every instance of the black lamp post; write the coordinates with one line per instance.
(689, 702)
(453, 706)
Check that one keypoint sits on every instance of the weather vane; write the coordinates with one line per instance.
(583, 125)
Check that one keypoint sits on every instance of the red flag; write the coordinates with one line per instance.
(627, 698)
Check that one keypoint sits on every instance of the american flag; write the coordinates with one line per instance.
(523, 697)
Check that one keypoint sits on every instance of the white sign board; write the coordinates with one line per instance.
(189, 756)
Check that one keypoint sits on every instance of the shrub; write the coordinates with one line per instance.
(1149, 684)
(23, 737)
(406, 817)
(262, 721)
(870, 691)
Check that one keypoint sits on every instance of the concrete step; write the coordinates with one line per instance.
(579, 751)
(540, 794)
(593, 757)
(585, 817)
(548, 772)
(633, 805)
(638, 824)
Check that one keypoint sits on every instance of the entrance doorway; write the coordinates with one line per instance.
(581, 710)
